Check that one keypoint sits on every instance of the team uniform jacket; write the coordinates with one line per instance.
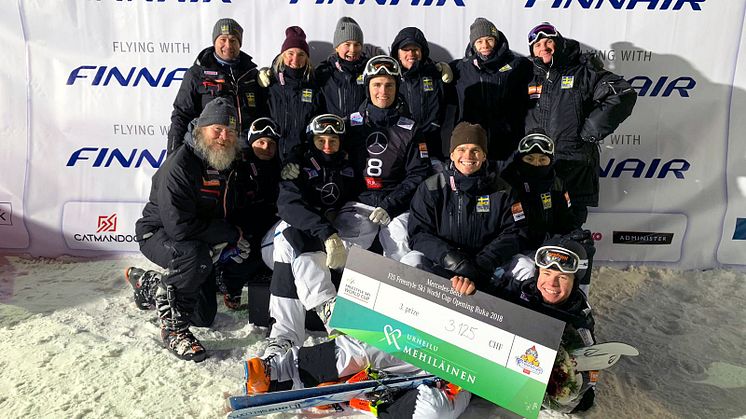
(541, 206)
(188, 199)
(488, 93)
(208, 79)
(341, 84)
(574, 99)
(423, 91)
(384, 148)
(321, 188)
(471, 214)
(293, 100)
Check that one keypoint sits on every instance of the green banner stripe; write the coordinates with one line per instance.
(507, 388)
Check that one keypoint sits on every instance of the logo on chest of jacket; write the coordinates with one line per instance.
(306, 96)
(330, 193)
(483, 203)
(567, 82)
(376, 143)
(517, 210)
(546, 200)
(251, 99)
(427, 84)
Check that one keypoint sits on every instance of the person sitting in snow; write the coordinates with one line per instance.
(553, 291)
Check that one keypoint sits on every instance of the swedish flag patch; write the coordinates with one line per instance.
(306, 96)
(567, 82)
(483, 203)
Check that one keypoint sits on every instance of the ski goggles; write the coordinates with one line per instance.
(540, 141)
(544, 28)
(565, 260)
(381, 65)
(264, 127)
(327, 124)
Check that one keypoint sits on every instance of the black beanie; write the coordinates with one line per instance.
(219, 111)
(466, 133)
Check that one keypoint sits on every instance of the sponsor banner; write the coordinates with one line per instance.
(630, 237)
(108, 226)
(498, 350)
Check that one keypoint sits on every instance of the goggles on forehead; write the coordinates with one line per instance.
(544, 28)
(540, 141)
(264, 127)
(381, 65)
(565, 260)
(327, 124)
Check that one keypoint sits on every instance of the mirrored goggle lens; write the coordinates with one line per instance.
(547, 30)
(383, 67)
(263, 126)
(328, 126)
(563, 259)
(543, 144)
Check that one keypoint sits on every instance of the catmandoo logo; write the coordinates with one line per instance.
(459, 3)
(107, 223)
(622, 4)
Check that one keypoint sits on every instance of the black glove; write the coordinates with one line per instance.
(584, 237)
(460, 264)
(591, 139)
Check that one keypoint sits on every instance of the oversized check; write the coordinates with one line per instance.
(496, 349)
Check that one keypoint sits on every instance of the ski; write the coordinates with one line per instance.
(601, 356)
(280, 401)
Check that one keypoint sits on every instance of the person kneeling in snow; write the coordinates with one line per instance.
(553, 291)
(185, 229)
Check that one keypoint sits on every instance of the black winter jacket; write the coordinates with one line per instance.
(188, 199)
(541, 205)
(384, 148)
(208, 79)
(577, 103)
(490, 93)
(468, 214)
(294, 99)
(323, 186)
(341, 84)
(423, 91)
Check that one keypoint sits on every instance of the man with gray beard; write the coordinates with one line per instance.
(184, 229)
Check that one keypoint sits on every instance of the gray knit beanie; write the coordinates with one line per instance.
(482, 27)
(227, 26)
(347, 30)
(219, 111)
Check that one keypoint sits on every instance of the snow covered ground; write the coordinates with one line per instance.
(72, 345)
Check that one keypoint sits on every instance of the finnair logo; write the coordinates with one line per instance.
(623, 4)
(459, 3)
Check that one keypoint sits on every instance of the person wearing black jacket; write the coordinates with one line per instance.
(461, 224)
(221, 70)
(421, 86)
(386, 146)
(341, 75)
(184, 229)
(294, 96)
(311, 239)
(488, 84)
(577, 103)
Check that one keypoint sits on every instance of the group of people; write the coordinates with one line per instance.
(288, 166)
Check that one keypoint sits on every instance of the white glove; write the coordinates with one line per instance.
(380, 216)
(244, 247)
(445, 72)
(523, 268)
(336, 254)
(216, 251)
(290, 171)
(264, 76)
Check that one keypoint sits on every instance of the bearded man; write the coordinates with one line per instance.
(184, 228)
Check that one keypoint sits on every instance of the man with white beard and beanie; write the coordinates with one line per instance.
(184, 229)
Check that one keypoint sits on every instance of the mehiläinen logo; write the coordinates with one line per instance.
(459, 3)
(622, 4)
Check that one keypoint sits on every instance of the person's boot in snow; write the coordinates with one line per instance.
(257, 372)
(144, 284)
(175, 327)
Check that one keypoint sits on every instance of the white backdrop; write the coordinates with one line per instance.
(88, 86)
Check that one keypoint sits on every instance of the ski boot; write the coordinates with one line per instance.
(175, 327)
(277, 346)
(144, 284)
(257, 372)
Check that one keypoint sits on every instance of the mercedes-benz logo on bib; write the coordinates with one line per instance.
(377, 143)
(329, 193)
